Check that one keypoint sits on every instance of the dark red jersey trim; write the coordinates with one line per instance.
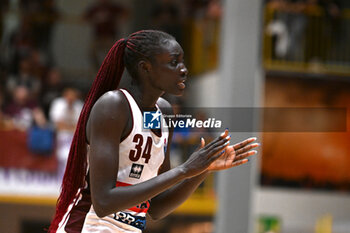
(78, 213)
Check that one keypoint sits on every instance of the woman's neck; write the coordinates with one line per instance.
(145, 97)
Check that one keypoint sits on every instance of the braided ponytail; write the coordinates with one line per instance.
(107, 79)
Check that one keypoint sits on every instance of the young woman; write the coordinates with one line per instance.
(117, 171)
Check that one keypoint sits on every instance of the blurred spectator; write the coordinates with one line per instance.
(20, 108)
(214, 9)
(43, 22)
(41, 16)
(278, 30)
(166, 16)
(39, 118)
(24, 78)
(64, 113)
(20, 44)
(32, 32)
(41, 137)
(105, 17)
(288, 27)
(52, 87)
(38, 63)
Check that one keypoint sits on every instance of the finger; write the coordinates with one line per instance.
(245, 155)
(244, 143)
(219, 143)
(201, 145)
(240, 162)
(247, 148)
(202, 142)
(222, 136)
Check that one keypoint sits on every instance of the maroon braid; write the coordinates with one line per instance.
(139, 45)
(108, 78)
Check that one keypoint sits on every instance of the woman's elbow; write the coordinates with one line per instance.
(99, 212)
(100, 208)
(155, 215)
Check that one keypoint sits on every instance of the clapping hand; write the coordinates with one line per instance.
(233, 155)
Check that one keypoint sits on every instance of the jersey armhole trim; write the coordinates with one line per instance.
(140, 109)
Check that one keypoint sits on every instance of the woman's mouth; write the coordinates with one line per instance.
(181, 84)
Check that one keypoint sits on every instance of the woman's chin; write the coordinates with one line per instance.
(179, 92)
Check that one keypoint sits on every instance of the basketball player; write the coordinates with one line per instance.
(117, 171)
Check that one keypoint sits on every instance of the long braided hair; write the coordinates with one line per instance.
(125, 53)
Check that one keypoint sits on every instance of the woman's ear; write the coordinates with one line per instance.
(144, 67)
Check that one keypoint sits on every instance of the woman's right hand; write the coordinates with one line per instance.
(205, 155)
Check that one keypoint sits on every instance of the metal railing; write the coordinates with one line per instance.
(308, 42)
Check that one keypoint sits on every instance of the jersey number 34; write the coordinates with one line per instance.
(136, 153)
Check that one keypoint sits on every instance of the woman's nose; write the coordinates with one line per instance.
(184, 71)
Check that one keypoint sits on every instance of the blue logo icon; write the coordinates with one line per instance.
(151, 120)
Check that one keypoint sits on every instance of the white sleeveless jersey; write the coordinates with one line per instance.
(141, 154)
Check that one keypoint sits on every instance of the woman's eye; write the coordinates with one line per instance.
(174, 62)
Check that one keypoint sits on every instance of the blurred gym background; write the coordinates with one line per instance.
(272, 54)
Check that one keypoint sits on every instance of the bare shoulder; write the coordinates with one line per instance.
(165, 106)
(110, 111)
(111, 103)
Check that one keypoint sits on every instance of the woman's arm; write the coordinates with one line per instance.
(107, 121)
(166, 202)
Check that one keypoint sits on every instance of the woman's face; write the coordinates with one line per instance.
(168, 72)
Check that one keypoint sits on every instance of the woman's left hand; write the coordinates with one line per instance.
(234, 155)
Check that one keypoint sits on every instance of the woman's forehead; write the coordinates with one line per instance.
(171, 47)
